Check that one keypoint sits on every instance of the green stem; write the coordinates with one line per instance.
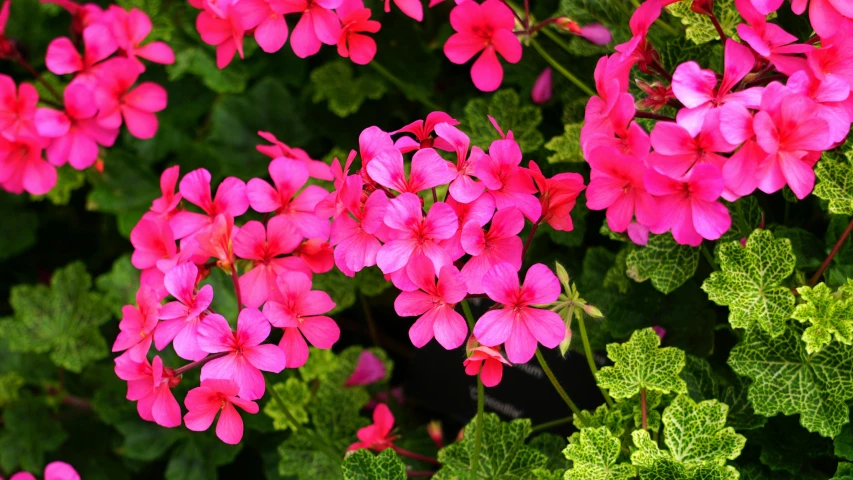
(478, 434)
(709, 257)
(552, 423)
(283, 407)
(569, 75)
(557, 39)
(588, 351)
(469, 317)
(403, 86)
(559, 389)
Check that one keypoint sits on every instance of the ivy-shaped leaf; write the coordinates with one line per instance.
(297, 395)
(749, 282)
(830, 316)
(595, 453)
(62, 319)
(663, 261)
(507, 109)
(503, 454)
(552, 447)
(614, 419)
(566, 147)
(364, 465)
(344, 94)
(787, 380)
(700, 29)
(640, 364)
(835, 185)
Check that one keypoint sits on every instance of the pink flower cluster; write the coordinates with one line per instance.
(176, 244)
(97, 101)
(762, 124)
(53, 471)
(468, 243)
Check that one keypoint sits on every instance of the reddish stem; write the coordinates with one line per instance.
(414, 456)
(659, 68)
(198, 363)
(412, 473)
(57, 97)
(76, 402)
(832, 254)
(643, 408)
(236, 281)
(542, 24)
(654, 116)
(719, 27)
(529, 239)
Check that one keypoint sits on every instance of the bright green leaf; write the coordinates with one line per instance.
(835, 185)
(507, 109)
(830, 316)
(595, 454)
(296, 396)
(640, 364)
(666, 263)
(700, 29)
(566, 147)
(364, 465)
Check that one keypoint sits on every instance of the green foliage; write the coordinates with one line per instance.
(511, 113)
(62, 319)
(595, 454)
(749, 282)
(641, 364)
(296, 395)
(14, 213)
(363, 465)
(566, 147)
(29, 432)
(829, 315)
(700, 29)
(663, 261)
(835, 185)
(334, 82)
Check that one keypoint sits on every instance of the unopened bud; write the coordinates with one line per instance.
(435, 433)
(592, 311)
(563, 275)
(568, 25)
(471, 345)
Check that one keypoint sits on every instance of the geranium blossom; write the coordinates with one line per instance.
(137, 324)
(499, 244)
(317, 25)
(428, 170)
(369, 369)
(17, 109)
(217, 396)
(265, 248)
(181, 317)
(355, 22)
(150, 385)
(195, 188)
(377, 436)
(487, 362)
(616, 184)
(506, 180)
(117, 101)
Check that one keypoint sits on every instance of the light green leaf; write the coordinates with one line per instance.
(296, 395)
(566, 147)
(835, 185)
(344, 94)
(507, 109)
(830, 316)
(10, 385)
(666, 263)
(595, 454)
(699, 27)
(750, 282)
(363, 465)
(640, 364)
(787, 380)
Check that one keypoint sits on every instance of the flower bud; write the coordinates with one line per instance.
(435, 433)
(592, 311)
(563, 275)
(542, 90)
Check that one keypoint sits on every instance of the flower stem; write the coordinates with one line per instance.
(709, 257)
(57, 97)
(552, 423)
(559, 389)
(198, 363)
(569, 75)
(832, 254)
(413, 473)
(414, 456)
(371, 324)
(653, 116)
(478, 434)
(529, 238)
(643, 408)
(283, 407)
(588, 352)
(402, 85)
(469, 317)
(719, 27)
(236, 281)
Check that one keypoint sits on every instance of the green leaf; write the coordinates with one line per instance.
(595, 454)
(750, 282)
(198, 61)
(830, 316)
(666, 263)
(843, 443)
(119, 285)
(700, 29)
(702, 384)
(146, 441)
(640, 364)
(507, 109)
(807, 248)
(10, 385)
(552, 447)
(835, 185)
(615, 419)
(296, 394)
(363, 465)
(844, 471)
(29, 432)
(197, 457)
(68, 180)
(334, 83)
(503, 454)
(566, 147)
(787, 380)
(14, 211)
(62, 319)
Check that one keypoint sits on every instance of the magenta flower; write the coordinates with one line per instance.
(17, 110)
(116, 100)
(689, 205)
(428, 170)
(22, 167)
(318, 24)
(422, 130)
(377, 436)
(542, 87)
(75, 133)
(506, 180)
(98, 44)
(641, 20)
(518, 325)
(616, 129)
(411, 8)
(181, 317)
(298, 310)
(270, 28)
(371, 141)
(289, 176)
(488, 362)
(219, 25)
(129, 30)
(677, 150)
(463, 188)
(415, 234)
(355, 22)
(557, 195)
(826, 16)
(594, 33)
(316, 168)
(150, 385)
(770, 40)
(480, 211)
(265, 247)
(137, 324)
(616, 184)
(369, 369)
(165, 206)
(831, 97)
(246, 356)
(485, 27)
(435, 303)
(213, 396)
(58, 471)
(152, 240)
(501, 244)
(317, 254)
(195, 188)
(355, 240)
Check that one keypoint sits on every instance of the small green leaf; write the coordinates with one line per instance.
(198, 61)
(10, 385)
(363, 465)
(700, 29)
(566, 147)
(640, 364)
(666, 263)
(119, 285)
(835, 185)
(344, 94)
(507, 109)
(296, 395)
(595, 454)
(750, 282)
(830, 316)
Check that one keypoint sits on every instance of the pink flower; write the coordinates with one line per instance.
(770, 40)
(316, 254)
(288, 177)
(657, 95)
(246, 357)
(422, 132)
(377, 436)
(213, 396)
(415, 234)
(542, 90)
(697, 88)
(129, 30)
(557, 195)
(116, 100)
(181, 318)
(81, 15)
(216, 241)
(270, 27)
(616, 129)
(98, 44)
(347, 189)
(641, 20)
(488, 362)
(220, 25)
(831, 97)
(318, 24)
(316, 168)
(826, 16)
(17, 110)
(137, 324)
(411, 8)
(355, 21)
(594, 33)
(355, 240)
(195, 188)
(369, 369)
(298, 310)
(689, 205)
(60, 471)
(22, 167)
(485, 27)
(677, 150)
(152, 240)
(428, 170)
(150, 384)
(501, 244)
(480, 211)
(435, 303)
(509, 183)
(518, 325)
(616, 184)
(76, 133)
(264, 247)
(371, 141)
(463, 188)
